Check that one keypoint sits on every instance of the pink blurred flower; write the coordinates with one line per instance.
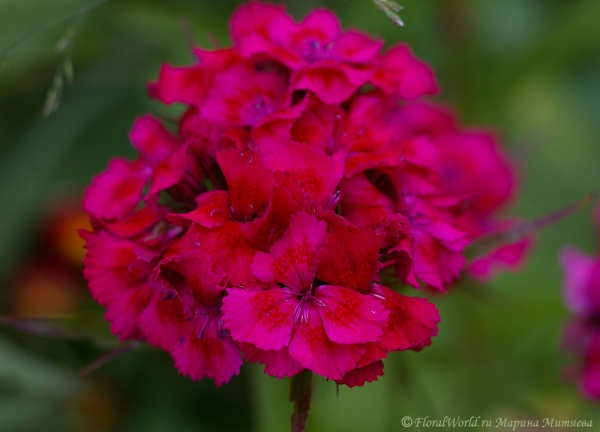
(582, 297)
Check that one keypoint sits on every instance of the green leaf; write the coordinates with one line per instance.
(32, 375)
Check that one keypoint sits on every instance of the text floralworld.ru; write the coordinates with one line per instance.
(500, 423)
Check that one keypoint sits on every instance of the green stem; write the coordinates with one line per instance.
(300, 393)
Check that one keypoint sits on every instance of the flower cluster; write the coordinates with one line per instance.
(302, 179)
(582, 296)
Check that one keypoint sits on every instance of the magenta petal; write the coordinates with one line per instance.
(113, 266)
(117, 191)
(396, 229)
(138, 222)
(368, 137)
(161, 151)
(191, 276)
(422, 152)
(124, 311)
(412, 321)
(315, 351)
(350, 317)
(253, 18)
(190, 85)
(349, 257)
(263, 318)
(318, 124)
(213, 209)
(250, 183)
(168, 171)
(277, 363)
(401, 72)
(448, 236)
(184, 244)
(261, 232)
(374, 353)
(319, 25)
(319, 28)
(242, 96)
(292, 260)
(472, 163)
(362, 203)
(275, 128)
(355, 47)
(163, 321)
(228, 250)
(187, 85)
(361, 375)
(152, 139)
(119, 273)
(207, 353)
(582, 277)
(203, 134)
(438, 260)
(318, 174)
(329, 82)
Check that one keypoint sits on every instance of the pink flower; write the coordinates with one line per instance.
(301, 178)
(244, 94)
(326, 327)
(582, 282)
(330, 63)
(582, 297)
(323, 328)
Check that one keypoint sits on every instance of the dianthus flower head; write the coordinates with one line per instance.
(303, 179)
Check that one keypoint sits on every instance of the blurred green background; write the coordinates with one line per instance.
(530, 69)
